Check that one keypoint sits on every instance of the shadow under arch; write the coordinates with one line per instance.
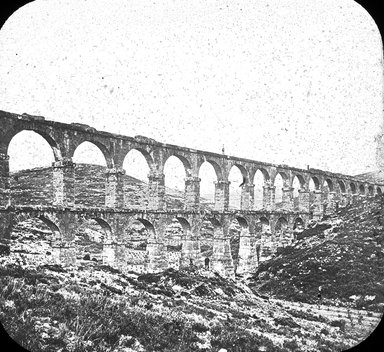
(342, 187)
(315, 182)
(298, 223)
(328, 182)
(265, 224)
(281, 224)
(19, 218)
(107, 230)
(148, 226)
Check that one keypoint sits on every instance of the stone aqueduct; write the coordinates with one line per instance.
(62, 215)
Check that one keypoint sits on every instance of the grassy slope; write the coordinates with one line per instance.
(347, 259)
(95, 308)
(92, 307)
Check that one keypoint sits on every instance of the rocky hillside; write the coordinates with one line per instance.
(344, 254)
(89, 188)
(374, 176)
(92, 307)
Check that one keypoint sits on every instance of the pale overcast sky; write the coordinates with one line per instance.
(284, 81)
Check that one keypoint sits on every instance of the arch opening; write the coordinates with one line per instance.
(30, 169)
(34, 238)
(238, 228)
(370, 190)
(174, 182)
(297, 185)
(279, 185)
(90, 238)
(298, 224)
(139, 234)
(352, 188)
(362, 189)
(92, 153)
(236, 177)
(281, 226)
(136, 168)
(265, 225)
(259, 182)
(208, 178)
(379, 191)
(342, 187)
(175, 233)
(90, 172)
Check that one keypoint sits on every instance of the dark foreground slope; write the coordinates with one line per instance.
(92, 307)
(344, 254)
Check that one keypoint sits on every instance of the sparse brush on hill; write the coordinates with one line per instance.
(93, 307)
(343, 253)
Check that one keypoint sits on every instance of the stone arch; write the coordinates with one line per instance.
(370, 190)
(362, 189)
(175, 170)
(298, 222)
(209, 174)
(328, 200)
(265, 224)
(50, 223)
(281, 223)
(144, 153)
(235, 182)
(280, 180)
(47, 137)
(300, 178)
(283, 175)
(148, 225)
(239, 241)
(242, 222)
(216, 167)
(352, 188)
(316, 182)
(379, 191)
(297, 186)
(108, 234)
(184, 223)
(186, 163)
(264, 172)
(242, 169)
(329, 183)
(104, 150)
(217, 227)
(342, 187)
(259, 178)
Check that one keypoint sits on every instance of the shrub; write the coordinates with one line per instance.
(291, 345)
(287, 321)
(199, 327)
(338, 323)
(87, 257)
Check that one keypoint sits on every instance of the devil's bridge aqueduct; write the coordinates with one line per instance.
(62, 215)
